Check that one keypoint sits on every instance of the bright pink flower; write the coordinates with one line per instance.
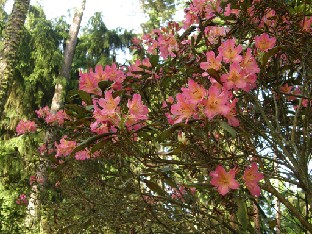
(249, 64)
(251, 177)
(223, 180)
(213, 33)
(109, 110)
(234, 79)
(136, 108)
(167, 45)
(228, 11)
(216, 103)
(116, 75)
(99, 128)
(213, 62)
(89, 84)
(57, 118)
(229, 52)
(65, 147)
(231, 116)
(22, 200)
(109, 104)
(26, 127)
(43, 112)
(99, 74)
(264, 42)
(195, 93)
(184, 109)
(82, 155)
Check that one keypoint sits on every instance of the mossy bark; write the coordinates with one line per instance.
(8, 58)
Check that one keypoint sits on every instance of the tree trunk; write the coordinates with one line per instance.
(12, 38)
(57, 100)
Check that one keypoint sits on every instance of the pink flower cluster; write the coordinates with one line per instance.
(65, 147)
(163, 39)
(139, 66)
(224, 181)
(50, 118)
(22, 200)
(89, 82)
(25, 127)
(200, 8)
(195, 101)
(108, 116)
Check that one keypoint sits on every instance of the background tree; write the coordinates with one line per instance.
(158, 13)
(12, 37)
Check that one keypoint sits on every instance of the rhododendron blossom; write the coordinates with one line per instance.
(183, 109)
(82, 155)
(249, 64)
(195, 93)
(234, 79)
(65, 147)
(57, 118)
(213, 62)
(25, 127)
(136, 108)
(109, 110)
(22, 200)
(264, 42)
(230, 52)
(224, 181)
(251, 177)
(89, 84)
(217, 103)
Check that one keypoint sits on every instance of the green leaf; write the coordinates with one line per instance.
(86, 97)
(242, 215)
(228, 128)
(155, 187)
(154, 59)
(168, 132)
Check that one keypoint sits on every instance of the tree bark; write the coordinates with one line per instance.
(57, 100)
(12, 38)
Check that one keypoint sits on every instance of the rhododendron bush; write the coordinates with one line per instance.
(200, 134)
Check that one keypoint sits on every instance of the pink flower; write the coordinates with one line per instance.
(109, 111)
(183, 109)
(251, 178)
(229, 52)
(26, 127)
(56, 119)
(264, 42)
(216, 103)
(43, 112)
(65, 147)
(82, 155)
(234, 79)
(22, 200)
(89, 84)
(137, 109)
(223, 180)
(213, 62)
(195, 93)
(249, 64)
